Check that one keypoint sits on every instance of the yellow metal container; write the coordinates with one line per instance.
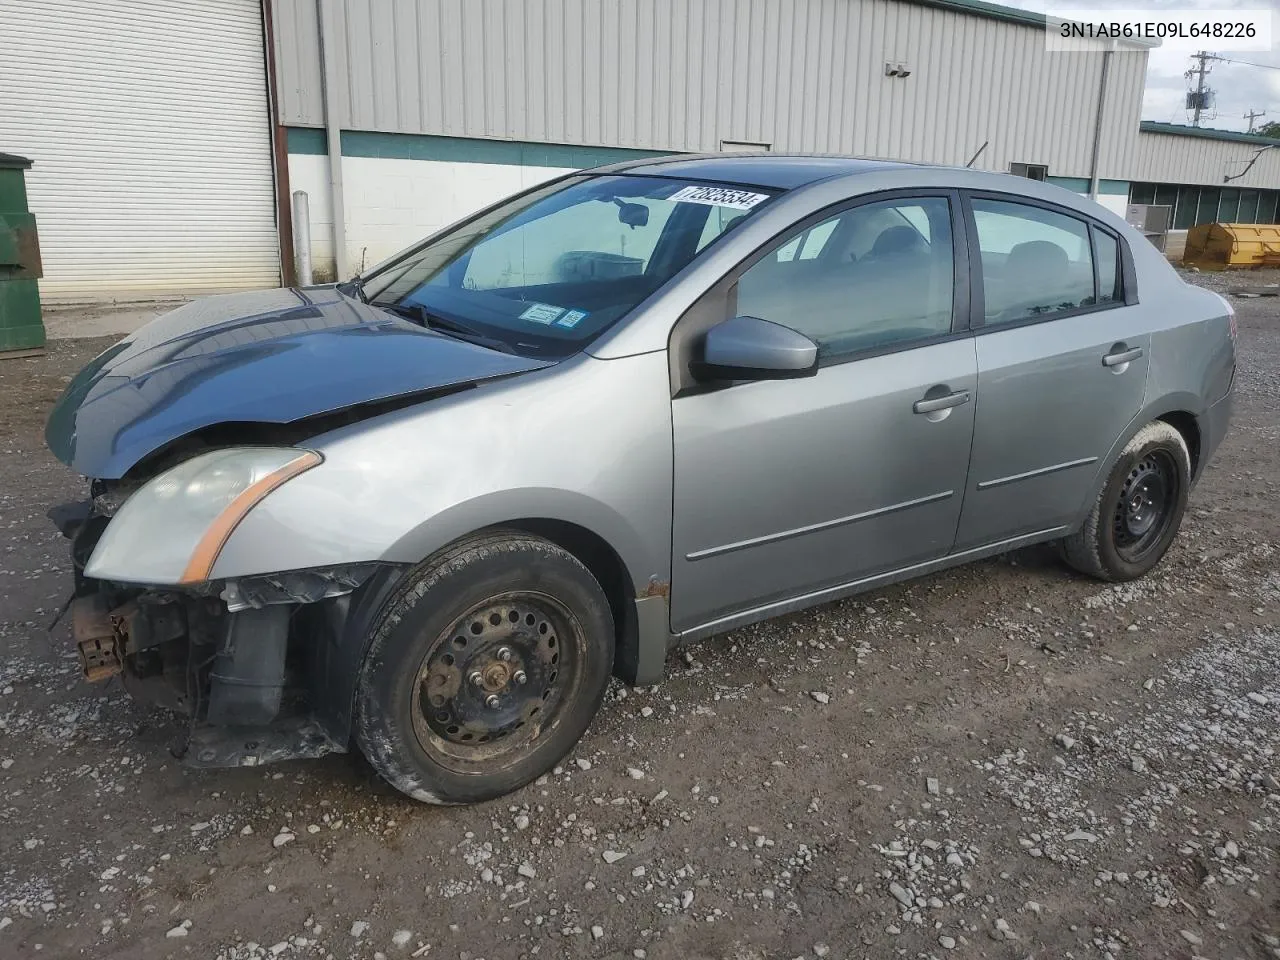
(1227, 246)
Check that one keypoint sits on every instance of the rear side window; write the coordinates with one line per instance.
(1108, 252)
(1035, 262)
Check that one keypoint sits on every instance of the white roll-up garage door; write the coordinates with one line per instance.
(148, 126)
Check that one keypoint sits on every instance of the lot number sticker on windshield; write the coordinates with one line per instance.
(719, 197)
(541, 313)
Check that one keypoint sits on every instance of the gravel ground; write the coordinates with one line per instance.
(1004, 760)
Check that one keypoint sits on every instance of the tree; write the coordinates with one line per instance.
(1271, 129)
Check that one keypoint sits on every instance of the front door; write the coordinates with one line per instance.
(1062, 368)
(786, 488)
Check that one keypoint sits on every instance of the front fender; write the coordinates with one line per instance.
(587, 442)
(506, 507)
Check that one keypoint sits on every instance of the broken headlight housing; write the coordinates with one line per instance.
(172, 528)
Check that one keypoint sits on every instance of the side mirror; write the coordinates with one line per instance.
(748, 348)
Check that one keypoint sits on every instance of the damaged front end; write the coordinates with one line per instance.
(261, 667)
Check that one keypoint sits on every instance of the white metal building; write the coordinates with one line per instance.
(167, 148)
(443, 104)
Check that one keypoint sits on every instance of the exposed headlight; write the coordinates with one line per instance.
(172, 529)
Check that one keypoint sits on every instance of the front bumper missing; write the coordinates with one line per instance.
(263, 669)
(287, 738)
(239, 677)
(254, 666)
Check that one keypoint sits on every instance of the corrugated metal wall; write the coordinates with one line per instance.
(149, 130)
(1175, 158)
(682, 75)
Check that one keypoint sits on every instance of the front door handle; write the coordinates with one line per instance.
(934, 404)
(1123, 356)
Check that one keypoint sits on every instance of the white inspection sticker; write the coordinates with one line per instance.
(719, 197)
(541, 313)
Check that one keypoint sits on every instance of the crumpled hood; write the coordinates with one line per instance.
(273, 356)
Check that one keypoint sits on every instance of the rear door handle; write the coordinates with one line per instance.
(941, 403)
(1124, 356)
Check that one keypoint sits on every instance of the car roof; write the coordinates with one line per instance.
(770, 170)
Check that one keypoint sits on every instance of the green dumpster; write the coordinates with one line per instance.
(21, 329)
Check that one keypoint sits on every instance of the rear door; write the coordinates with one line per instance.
(1062, 363)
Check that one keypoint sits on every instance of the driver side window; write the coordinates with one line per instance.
(875, 275)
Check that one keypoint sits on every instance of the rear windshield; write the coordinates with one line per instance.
(550, 270)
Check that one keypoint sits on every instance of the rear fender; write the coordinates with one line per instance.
(1181, 402)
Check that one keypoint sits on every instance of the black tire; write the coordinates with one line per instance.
(485, 669)
(1140, 508)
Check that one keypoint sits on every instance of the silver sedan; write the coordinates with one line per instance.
(429, 512)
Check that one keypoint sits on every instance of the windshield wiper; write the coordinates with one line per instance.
(432, 321)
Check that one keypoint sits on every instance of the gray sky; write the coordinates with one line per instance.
(1238, 88)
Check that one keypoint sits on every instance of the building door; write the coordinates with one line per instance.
(148, 125)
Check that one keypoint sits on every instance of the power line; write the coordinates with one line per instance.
(1250, 63)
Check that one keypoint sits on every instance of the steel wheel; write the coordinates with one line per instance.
(495, 680)
(1138, 510)
(485, 669)
(1145, 507)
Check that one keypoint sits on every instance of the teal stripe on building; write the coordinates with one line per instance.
(407, 146)
(1107, 188)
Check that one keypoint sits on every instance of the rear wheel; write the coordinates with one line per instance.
(1140, 508)
(486, 670)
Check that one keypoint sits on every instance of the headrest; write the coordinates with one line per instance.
(1038, 258)
(901, 239)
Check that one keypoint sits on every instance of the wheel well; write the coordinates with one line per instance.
(607, 567)
(1185, 424)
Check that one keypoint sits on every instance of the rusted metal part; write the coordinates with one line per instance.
(30, 266)
(97, 640)
(656, 588)
(103, 636)
(19, 247)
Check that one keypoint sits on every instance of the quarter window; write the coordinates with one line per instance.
(1108, 267)
(1035, 262)
(876, 275)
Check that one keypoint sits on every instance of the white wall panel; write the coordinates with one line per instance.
(1177, 158)
(682, 75)
(392, 204)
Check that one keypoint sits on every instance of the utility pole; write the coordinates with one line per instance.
(1252, 116)
(1198, 99)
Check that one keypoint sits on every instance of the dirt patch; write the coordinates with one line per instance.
(30, 385)
(1003, 760)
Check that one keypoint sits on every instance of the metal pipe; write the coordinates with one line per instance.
(279, 151)
(333, 137)
(302, 238)
(1097, 126)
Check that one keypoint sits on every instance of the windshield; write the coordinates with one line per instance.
(549, 271)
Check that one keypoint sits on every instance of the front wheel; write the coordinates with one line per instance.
(485, 670)
(1139, 510)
